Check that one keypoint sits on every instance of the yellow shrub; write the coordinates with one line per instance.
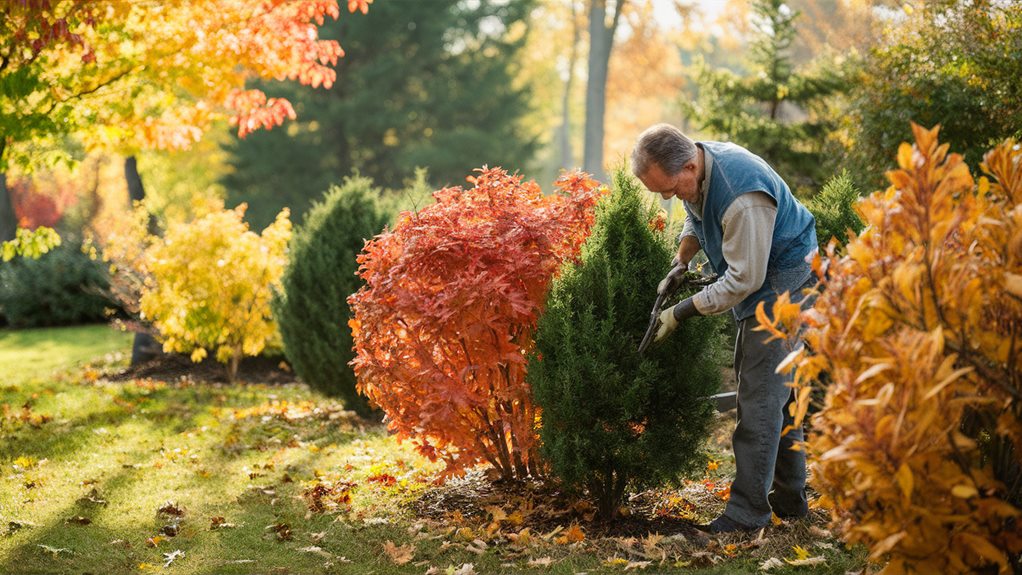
(919, 328)
(210, 285)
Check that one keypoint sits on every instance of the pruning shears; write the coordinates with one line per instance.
(689, 279)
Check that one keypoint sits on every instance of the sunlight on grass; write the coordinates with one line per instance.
(117, 477)
(32, 353)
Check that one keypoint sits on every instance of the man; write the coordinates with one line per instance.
(759, 240)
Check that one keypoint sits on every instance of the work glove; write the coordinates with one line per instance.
(671, 317)
(673, 278)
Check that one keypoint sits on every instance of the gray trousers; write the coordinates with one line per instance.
(764, 459)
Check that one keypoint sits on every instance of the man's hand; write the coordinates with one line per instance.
(673, 278)
(671, 317)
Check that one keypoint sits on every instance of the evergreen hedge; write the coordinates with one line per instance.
(61, 287)
(311, 309)
(610, 418)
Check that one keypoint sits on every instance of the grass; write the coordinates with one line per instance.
(143, 476)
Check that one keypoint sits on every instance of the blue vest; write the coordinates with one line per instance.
(736, 171)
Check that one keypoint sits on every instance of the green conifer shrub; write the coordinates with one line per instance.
(312, 309)
(610, 418)
(834, 210)
(62, 287)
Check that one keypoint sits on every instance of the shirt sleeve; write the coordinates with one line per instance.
(689, 228)
(748, 231)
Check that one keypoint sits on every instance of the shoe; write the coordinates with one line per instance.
(801, 512)
(725, 524)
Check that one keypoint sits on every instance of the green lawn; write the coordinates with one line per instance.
(254, 478)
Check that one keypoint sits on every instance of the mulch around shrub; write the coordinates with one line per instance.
(174, 367)
(474, 494)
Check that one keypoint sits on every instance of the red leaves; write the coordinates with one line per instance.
(452, 297)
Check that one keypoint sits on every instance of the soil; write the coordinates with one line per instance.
(174, 367)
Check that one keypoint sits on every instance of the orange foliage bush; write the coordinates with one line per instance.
(449, 309)
(919, 328)
(40, 203)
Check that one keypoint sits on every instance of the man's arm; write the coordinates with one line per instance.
(748, 231)
(688, 243)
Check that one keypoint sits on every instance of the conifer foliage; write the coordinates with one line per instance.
(610, 418)
(311, 309)
(449, 309)
(919, 329)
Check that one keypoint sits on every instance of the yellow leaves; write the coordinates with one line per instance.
(1013, 284)
(800, 552)
(964, 491)
(914, 328)
(905, 156)
(23, 462)
(212, 284)
(905, 480)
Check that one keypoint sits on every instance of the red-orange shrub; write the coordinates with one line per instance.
(449, 309)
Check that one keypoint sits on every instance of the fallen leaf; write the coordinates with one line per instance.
(153, 541)
(78, 520)
(615, 562)
(800, 552)
(317, 537)
(497, 514)
(283, 531)
(170, 557)
(477, 546)
(317, 550)
(572, 535)
(771, 563)
(55, 550)
(399, 555)
(637, 565)
(170, 530)
(171, 508)
(541, 562)
(465, 569)
(810, 561)
(219, 522)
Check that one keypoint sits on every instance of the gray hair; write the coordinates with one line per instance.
(665, 146)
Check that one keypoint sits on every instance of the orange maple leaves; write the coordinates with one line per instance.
(451, 300)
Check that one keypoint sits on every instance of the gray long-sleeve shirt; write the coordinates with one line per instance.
(748, 225)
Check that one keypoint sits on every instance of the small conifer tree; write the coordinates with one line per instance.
(312, 308)
(610, 417)
(834, 210)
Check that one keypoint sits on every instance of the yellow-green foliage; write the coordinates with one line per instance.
(210, 285)
(30, 243)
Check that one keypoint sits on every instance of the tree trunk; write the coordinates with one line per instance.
(567, 157)
(136, 193)
(8, 221)
(144, 348)
(601, 40)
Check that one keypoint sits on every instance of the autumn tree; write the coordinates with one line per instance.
(448, 312)
(919, 330)
(131, 76)
(428, 84)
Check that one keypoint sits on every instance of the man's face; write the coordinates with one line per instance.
(683, 185)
